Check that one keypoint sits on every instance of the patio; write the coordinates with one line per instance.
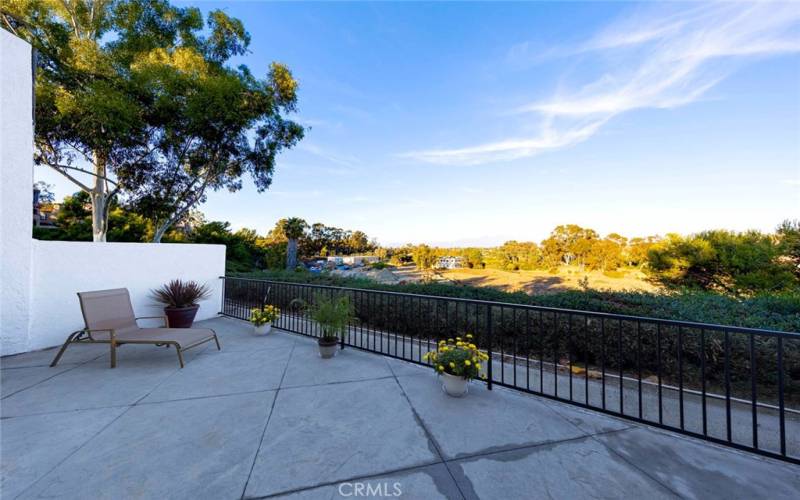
(267, 417)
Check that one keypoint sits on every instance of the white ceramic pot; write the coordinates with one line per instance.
(327, 349)
(453, 385)
(263, 329)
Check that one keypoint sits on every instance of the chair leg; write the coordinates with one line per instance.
(180, 355)
(63, 348)
(217, 341)
(113, 354)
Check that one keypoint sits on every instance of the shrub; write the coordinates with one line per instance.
(333, 313)
(179, 293)
(776, 311)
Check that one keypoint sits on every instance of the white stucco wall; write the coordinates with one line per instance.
(16, 179)
(63, 268)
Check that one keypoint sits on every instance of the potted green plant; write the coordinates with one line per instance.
(333, 313)
(180, 299)
(457, 361)
(262, 319)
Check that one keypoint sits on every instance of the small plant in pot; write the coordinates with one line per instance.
(180, 299)
(457, 361)
(262, 319)
(333, 314)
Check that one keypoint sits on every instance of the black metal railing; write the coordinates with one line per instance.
(734, 386)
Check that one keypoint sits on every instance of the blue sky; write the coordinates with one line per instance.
(467, 123)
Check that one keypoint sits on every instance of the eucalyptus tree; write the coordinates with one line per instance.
(138, 96)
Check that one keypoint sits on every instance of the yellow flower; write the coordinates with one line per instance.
(450, 340)
(458, 338)
(467, 362)
(452, 365)
(440, 368)
(469, 335)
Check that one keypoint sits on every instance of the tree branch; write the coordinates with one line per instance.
(8, 25)
(73, 179)
(57, 166)
(107, 206)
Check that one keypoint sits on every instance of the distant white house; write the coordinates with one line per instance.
(449, 262)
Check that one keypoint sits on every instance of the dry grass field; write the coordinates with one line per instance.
(537, 282)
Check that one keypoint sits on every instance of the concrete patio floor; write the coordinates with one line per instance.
(267, 417)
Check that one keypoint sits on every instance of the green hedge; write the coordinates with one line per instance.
(774, 311)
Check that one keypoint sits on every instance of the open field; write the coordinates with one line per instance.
(536, 282)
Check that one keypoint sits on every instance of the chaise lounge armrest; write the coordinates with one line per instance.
(162, 317)
(90, 331)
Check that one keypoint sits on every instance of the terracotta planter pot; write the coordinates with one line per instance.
(453, 385)
(327, 348)
(181, 317)
(262, 329)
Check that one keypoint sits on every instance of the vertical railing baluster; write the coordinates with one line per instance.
(427, 334)
(753, 390)
(556, 348)
(703, 379)
(514, 333)
(728, 429)
(502, 337)
(489, 345)
(586, 360)
(528, 349)
(395, 326)
(569, 351)
(680, 377)
(541, 354)
(639, 362)
(603, 362)
(222, 296)
(658, 373)
(781, 402)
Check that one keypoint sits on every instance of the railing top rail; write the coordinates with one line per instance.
(621, 317)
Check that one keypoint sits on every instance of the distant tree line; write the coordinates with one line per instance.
(247, 250)
(320, 240)
(730, 262)
(718, 260)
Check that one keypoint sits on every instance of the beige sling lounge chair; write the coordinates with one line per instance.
(109, 319)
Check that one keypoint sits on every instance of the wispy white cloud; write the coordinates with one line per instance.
(296, 194)
(346, 163)
(655, 60)
(792, 182)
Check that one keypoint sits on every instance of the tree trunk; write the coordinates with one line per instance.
(100, 201)
(291, 254)
(160, 232)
